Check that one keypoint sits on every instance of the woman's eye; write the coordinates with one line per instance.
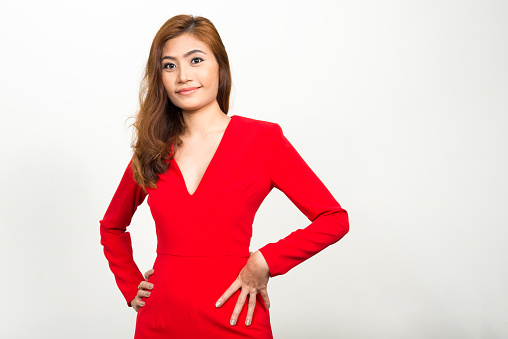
(197, 58)
(168, 64)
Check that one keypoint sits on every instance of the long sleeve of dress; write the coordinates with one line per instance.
(116, 240)
(329, 221)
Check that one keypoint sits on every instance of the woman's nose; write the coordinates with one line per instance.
(185, 74)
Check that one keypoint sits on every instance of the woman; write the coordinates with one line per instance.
(205, 175)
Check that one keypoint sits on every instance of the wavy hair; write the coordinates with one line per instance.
(159, 122)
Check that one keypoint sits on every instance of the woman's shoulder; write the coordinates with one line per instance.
(255, 125)
(251, 132)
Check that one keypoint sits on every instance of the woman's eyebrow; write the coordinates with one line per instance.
(185, 55)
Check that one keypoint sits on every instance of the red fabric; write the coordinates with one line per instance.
(210, 231)
(114, 238)
(290, 174)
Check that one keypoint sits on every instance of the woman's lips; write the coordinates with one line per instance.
(189, 91)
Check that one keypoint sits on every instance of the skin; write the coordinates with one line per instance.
(205, 123)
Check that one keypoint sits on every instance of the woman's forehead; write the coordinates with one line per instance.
(184, 43)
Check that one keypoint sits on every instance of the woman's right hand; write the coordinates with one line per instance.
(143, 288)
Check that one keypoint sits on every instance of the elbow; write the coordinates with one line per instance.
(108, 232)
(342, 220)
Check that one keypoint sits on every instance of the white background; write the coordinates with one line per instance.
(400, 107)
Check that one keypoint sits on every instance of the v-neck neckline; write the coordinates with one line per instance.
(203, 177)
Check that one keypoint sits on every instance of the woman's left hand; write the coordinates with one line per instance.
(252, 279)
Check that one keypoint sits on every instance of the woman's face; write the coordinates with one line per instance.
(189, 63)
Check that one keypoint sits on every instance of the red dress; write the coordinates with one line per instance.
(203, 239)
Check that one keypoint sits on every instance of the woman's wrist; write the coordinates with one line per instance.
(261, 262)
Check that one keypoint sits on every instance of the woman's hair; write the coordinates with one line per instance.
(159, 122)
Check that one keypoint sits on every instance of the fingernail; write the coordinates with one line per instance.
(248, 322)
(233, 322)
(218, 304)
(143, 304)
(151, 285)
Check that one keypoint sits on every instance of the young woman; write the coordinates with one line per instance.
(205, 175)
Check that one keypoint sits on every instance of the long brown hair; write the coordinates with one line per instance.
(159, 122)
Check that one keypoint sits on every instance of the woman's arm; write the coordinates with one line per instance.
(116, 240)
(290, 174)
